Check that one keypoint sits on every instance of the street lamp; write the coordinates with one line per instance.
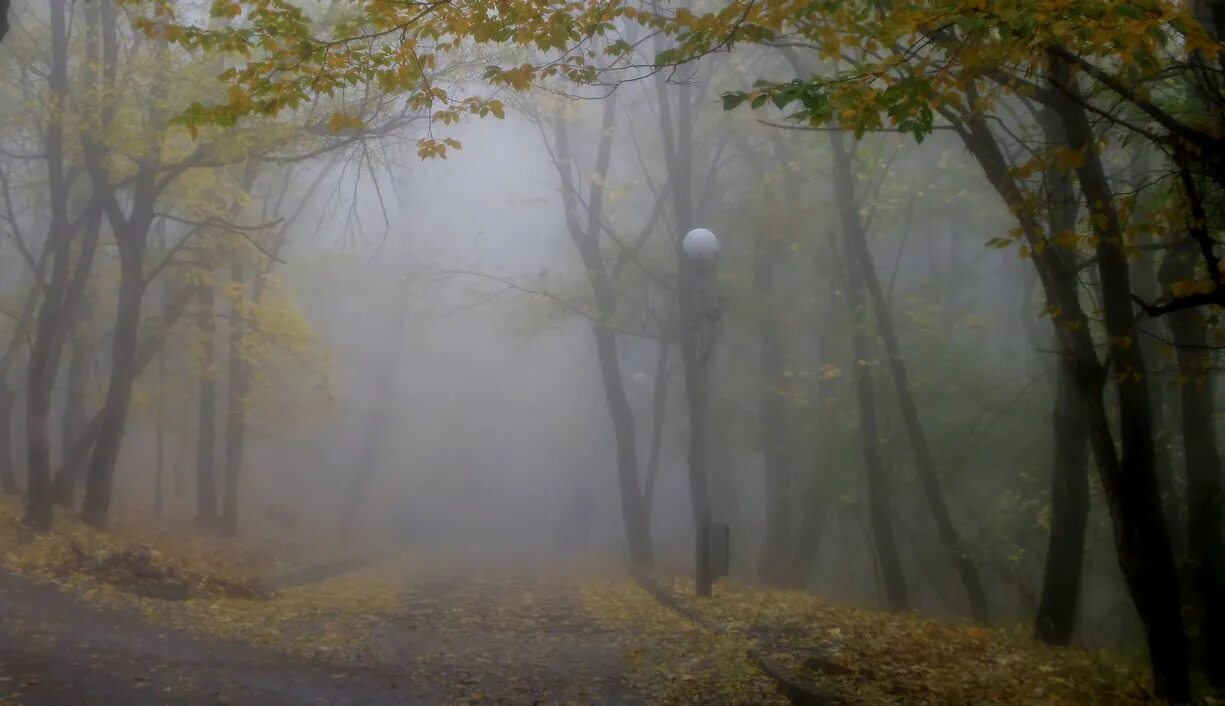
(701, 248)
(699, 251)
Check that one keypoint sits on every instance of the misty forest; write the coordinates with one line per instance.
(612, 351)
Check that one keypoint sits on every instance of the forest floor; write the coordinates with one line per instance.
(170, 616)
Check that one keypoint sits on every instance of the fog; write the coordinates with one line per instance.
(445, 345)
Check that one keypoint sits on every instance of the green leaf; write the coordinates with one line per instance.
(734, 99)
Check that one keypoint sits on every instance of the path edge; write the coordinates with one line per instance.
(800, 692)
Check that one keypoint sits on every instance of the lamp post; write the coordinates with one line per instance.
(699, 251)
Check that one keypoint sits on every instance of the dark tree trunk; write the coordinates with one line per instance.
(159, 439)
(633, 506)
(206, 415)
(586, 238)
(860, 264)
(8, 476)
(659, 411)
(1172, 500)
(816, 506)
(235, 411)
(1139, 529)
(1204, 500)
(77, 457)
(1134, 514)
(772, 426)
(76, 389)
(1144, 550)
(40, 376)
(125, 365)
(880, 484)
(1055, 620)
(1055, 616)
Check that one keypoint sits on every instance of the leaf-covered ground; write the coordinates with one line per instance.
(874, 657)
(474, 628)
(469, 626)
(140, 553)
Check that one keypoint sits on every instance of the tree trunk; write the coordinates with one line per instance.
(633, 506)
(772, 426)
(8, 476)
(880, 484)
(1055, 620)
(1139, 529)
(159, 440)
(1204, 500)
(206, 415)
(43, 362)
(235, 410)
(1172, 502)
(859, 259)
(1055, 616)
(659, 411)
(125, 366)
(76, 389)
(586, 238)
(1145, 549)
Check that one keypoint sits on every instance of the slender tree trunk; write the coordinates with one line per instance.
(159, 439)
(816, 506)
(206, 415)
(633, 506)
(43, 362)
(77, 457)
(76, 389)
(1204, 499)
(772, 428)
(586, 238)
(1139, 529)
(8, 476)
(1146, 550)
(1172, 502)
(235, 412)
(1056, 615)
(880, 484)
(659, 411)
(125, 366)
(859, 257)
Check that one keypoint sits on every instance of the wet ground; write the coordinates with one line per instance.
(467, 634)
(55, 649)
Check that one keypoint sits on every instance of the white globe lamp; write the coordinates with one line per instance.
(700, 247)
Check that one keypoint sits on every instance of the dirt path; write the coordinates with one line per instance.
(508, 631)
(471, 631)
(55, 649)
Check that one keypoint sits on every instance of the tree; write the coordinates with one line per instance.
(587, 234)
(908, 88)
